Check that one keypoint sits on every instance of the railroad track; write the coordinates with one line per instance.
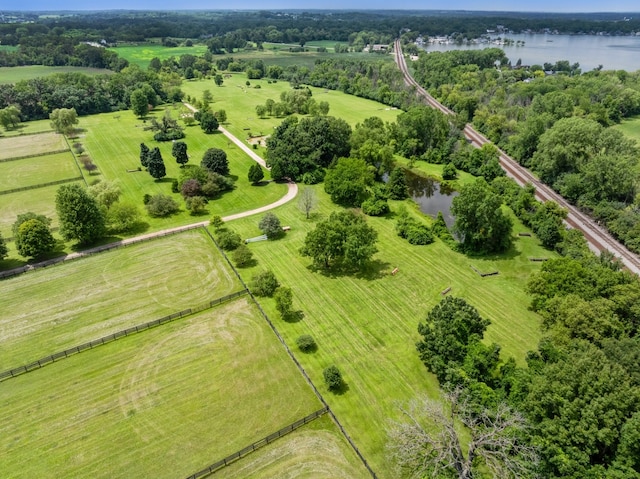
(597, 237)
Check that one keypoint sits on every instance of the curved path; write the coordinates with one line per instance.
(596, 236)
(292, 191)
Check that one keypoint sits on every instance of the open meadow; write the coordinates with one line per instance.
(31, 145)
(164, 403)
(366, 324)
(59, 307)
(16, 74)
(631, 128)
(142, 55)
(28, 172)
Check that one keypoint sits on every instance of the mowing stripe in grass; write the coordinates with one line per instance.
(258, 444)
(44, 153)
(40, 363)
(42, 185)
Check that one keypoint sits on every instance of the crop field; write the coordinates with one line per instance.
(61, 306)
(240, 108)
(316, 451)
(16, 74)
(142, 55)
(31, 145)
(37, 170)
(114, 158)
(164, 403)
(366, 324)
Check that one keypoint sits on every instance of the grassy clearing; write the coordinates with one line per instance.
(37, 170)
(142, 55)
(28, 128)
(318, 450)
(16, 74)
(41, 201)
(31, 145)
(240, 101)
(62, 306)
(631, 128)
(367, 324)
(161, 404)
(114, 158)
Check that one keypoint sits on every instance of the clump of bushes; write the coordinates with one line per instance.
(242, 256)
(333, 378)
(414, 232)
(228, 240)
(160, 205)
(306, 343)
(264, 284)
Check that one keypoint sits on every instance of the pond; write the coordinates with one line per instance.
(431, 196)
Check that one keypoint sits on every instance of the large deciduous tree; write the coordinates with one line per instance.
(33, 238)
(208, 122)
(63, 120)
(270, 225)
(343, 240)
(480, 223)
(139, 103)
(347, 181)
(255, 174)
(215, 160)
(9, 117)
(79, 214)
(307, 200)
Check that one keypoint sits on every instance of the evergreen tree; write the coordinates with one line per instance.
(156, 164)
(179, 152)
(144, 155)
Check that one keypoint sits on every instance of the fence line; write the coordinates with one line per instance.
(295, 360)
(33, 155)
(75, 159)
(258, 444)
(11, 373)
(41, 185)
(98, 249)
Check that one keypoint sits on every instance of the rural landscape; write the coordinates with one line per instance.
(287, 244)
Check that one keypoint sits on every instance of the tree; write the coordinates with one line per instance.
(307, 200)
(242, 256)
(179, 152)
(3, 248)
(161, 205)
(427, 442)
(63, 120)
(449, 172)
(255, 173)
(228, 240)
(196, 204)
(261, 111)
(347, 181)
(79, 214)
(215, 160)
(221, 115)
(284, 301)
(449, 330)
(144, 155)
(122, 218)
(139, 103)
(264, 283)
(218, 79)
(270, 226)
(333, 378)
(155, 164)
(9, 117)
(105, 192)
(397, 184)
(480, 223)
(343, 240)
(208, 122)
(34, 238)
(306, 343)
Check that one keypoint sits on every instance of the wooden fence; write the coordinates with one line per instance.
(34, 155)
(11, 373)
(41, 185)
(258, 444)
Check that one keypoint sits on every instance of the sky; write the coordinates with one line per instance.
(502, 5)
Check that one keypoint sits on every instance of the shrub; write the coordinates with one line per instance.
(332, 378)
(375, 207)
(242, 256)
(161, 205)
(196, 204)
(313, 177)
(419, 234)
(217, 222)
(228, 240)
(449, 172)
(306, 343)
(264, 284)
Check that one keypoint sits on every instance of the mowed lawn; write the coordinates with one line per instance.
(317, 450)
(56, 308)
(240, 101)
(366, 324)
(39, 144)
(37, 170)
(113, 140)
(161, 404)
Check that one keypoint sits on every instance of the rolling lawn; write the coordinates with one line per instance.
(59, 307)
(366, 324)
(36, 170)
(163, 404)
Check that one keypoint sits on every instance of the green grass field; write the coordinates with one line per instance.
(161, 404)
(41, 144)
(16, 74)
(366, 324)
(317, 451)
(59, 307)
(631, 128)
(37, 170)
(142, 55)
(28, 128)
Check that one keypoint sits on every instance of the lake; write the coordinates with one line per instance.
(613, 53)
(431, 196)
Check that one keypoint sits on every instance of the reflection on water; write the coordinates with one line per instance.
(432, 196)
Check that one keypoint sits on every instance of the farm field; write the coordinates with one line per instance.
(16, 74)
(142, 55)
(65, 305)
(366, 324)
(317, 450)
(163, 404)
(31, 145)
(39, 169)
